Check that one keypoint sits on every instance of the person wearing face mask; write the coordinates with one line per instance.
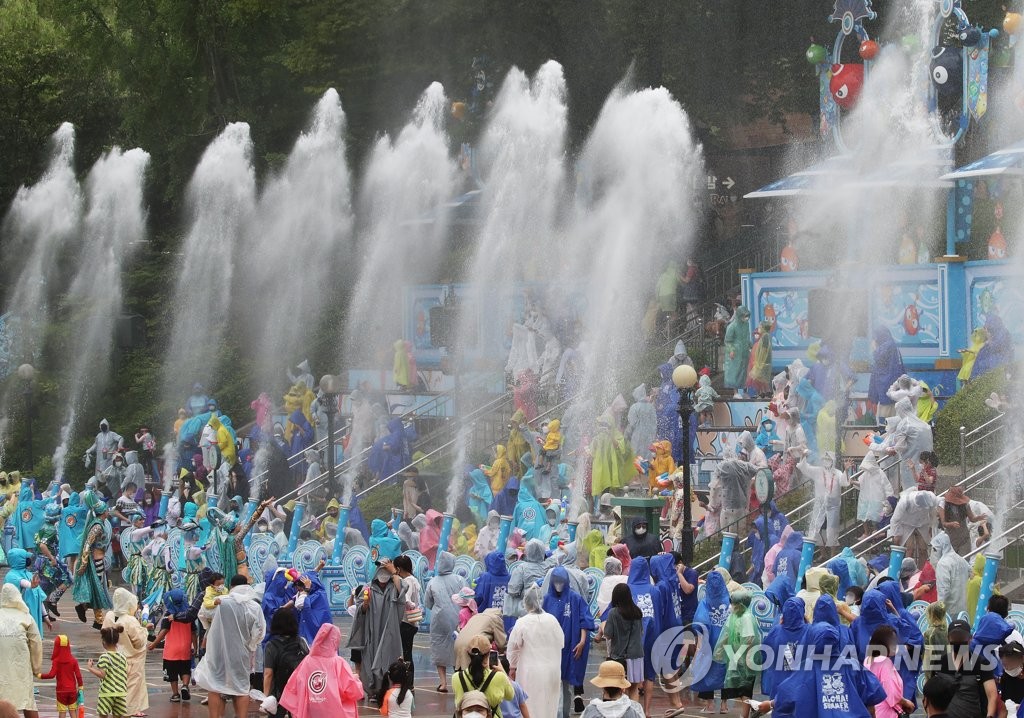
(854, 595)
(380, 608)
(444, 617)
(107, 443)
(474, 704)
(640, 542)
(829, 483)
(882, 650)
(1011, 683)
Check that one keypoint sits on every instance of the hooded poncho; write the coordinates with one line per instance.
(535, 648)
(383, 540)
(480, 495)
(742, 636)
(132, 646)
(528, 571)
(666, 581)
(323, 684)
(650, 601)
(573, 614)
(444, 614)
(997, 350)
(66, 670)
(231, 642)
(840, 688)
(782, 641)
(712, 613)
(641, 546)
(737, 348)
(21, 647)
(316, 610)
(642, 422)
(886, 366)
(969, 355)
(787, 561)
(492, 585)
(952, 573)
(375, 632)
(20, 576)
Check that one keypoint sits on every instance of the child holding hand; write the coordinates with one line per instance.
(65, 669)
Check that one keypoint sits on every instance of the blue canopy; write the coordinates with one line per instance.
(1007, 161)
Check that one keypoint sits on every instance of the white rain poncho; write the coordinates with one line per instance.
(911, 438)
(915, 511)
(132, 646)
(754, 454)
(444, 614)
(905, 388)
(642, 422)
(875, 489)
(829, 483)
(523, 354)
(231, 644)
(730, 488)
(22, 649)
(535, 651)
(952, 572)
(487, 539)
(525, 573)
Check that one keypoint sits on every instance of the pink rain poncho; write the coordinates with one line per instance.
(323, 684)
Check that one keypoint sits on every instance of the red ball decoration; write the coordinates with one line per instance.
(869, 49)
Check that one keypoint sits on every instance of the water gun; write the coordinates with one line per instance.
(81, 703)
(664, 480)
(642, 465)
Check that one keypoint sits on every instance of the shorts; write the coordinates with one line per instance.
(357, 655)
(71, 708)
(738, 692)
(173, 670)
(111, 706)
(634, 670)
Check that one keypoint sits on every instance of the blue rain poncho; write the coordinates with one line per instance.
(839, 568)
(480, 495)
(71, 528)
(277, 591)
(781, 646)
(766, 434)
(492, 585)
(712, 613)
(787, 563)
(825, 611)
(315, 610)
(666, 580)
(998, 350)
(886, 366)
(666, 403)
(649, 599)
(780, 590)
(573, 614)
(20, 576)
(840, 688)
(31, 516)
(529, 515)
(384, 540)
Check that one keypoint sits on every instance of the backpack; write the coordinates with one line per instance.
(466, 688)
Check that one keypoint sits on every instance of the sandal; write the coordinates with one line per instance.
(176, 698)
(442, 689)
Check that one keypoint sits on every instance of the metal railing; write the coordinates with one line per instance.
(879, 538)
(794, 515)
(981, 440)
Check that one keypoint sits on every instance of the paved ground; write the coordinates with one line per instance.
(85, 643)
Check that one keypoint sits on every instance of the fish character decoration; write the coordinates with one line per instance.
(911, 320)
(846, 83)
(997, 245)
(947, 72)
(788, 259)
(770, 316)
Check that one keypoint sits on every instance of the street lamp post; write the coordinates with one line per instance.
(27, 373)
(330, 385)
(685, 378)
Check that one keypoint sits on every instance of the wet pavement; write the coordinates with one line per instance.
(86, 644)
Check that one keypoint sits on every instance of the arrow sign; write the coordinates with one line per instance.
(728, 183)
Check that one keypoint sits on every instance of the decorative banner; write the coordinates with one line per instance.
(977, 77)
(786, 309)
(1003, 296)
(910, 310)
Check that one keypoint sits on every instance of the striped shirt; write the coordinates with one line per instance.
(115, 674)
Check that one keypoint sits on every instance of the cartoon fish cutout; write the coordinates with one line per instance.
(911, 320)
(997, 245)
(788, 259)
(846, 84)
(770, 316)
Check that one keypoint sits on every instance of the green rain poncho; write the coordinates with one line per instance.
(743, 637)
(594, 548)
(737, 348)
(935, 636)
(613, 462)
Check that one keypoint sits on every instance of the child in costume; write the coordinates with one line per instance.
(64, 668)
(704, 399)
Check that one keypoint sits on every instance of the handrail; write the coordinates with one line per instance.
(795, 512)
(977, 478)
(966, 444)
(978, 428)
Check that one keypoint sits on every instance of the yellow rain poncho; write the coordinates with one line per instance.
(978, 338)
(826, 426)
(974, 585)
(612, 459)
(400, 369)
(500, 470)
(466, 541)
(595, 549)
(517, 444)
(926, 405)
(225, 443)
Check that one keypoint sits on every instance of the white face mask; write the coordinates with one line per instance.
(474, 714)
(552, 522)
(1012, 672)
(640, 531)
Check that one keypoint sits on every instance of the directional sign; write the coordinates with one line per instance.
(728, 183)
